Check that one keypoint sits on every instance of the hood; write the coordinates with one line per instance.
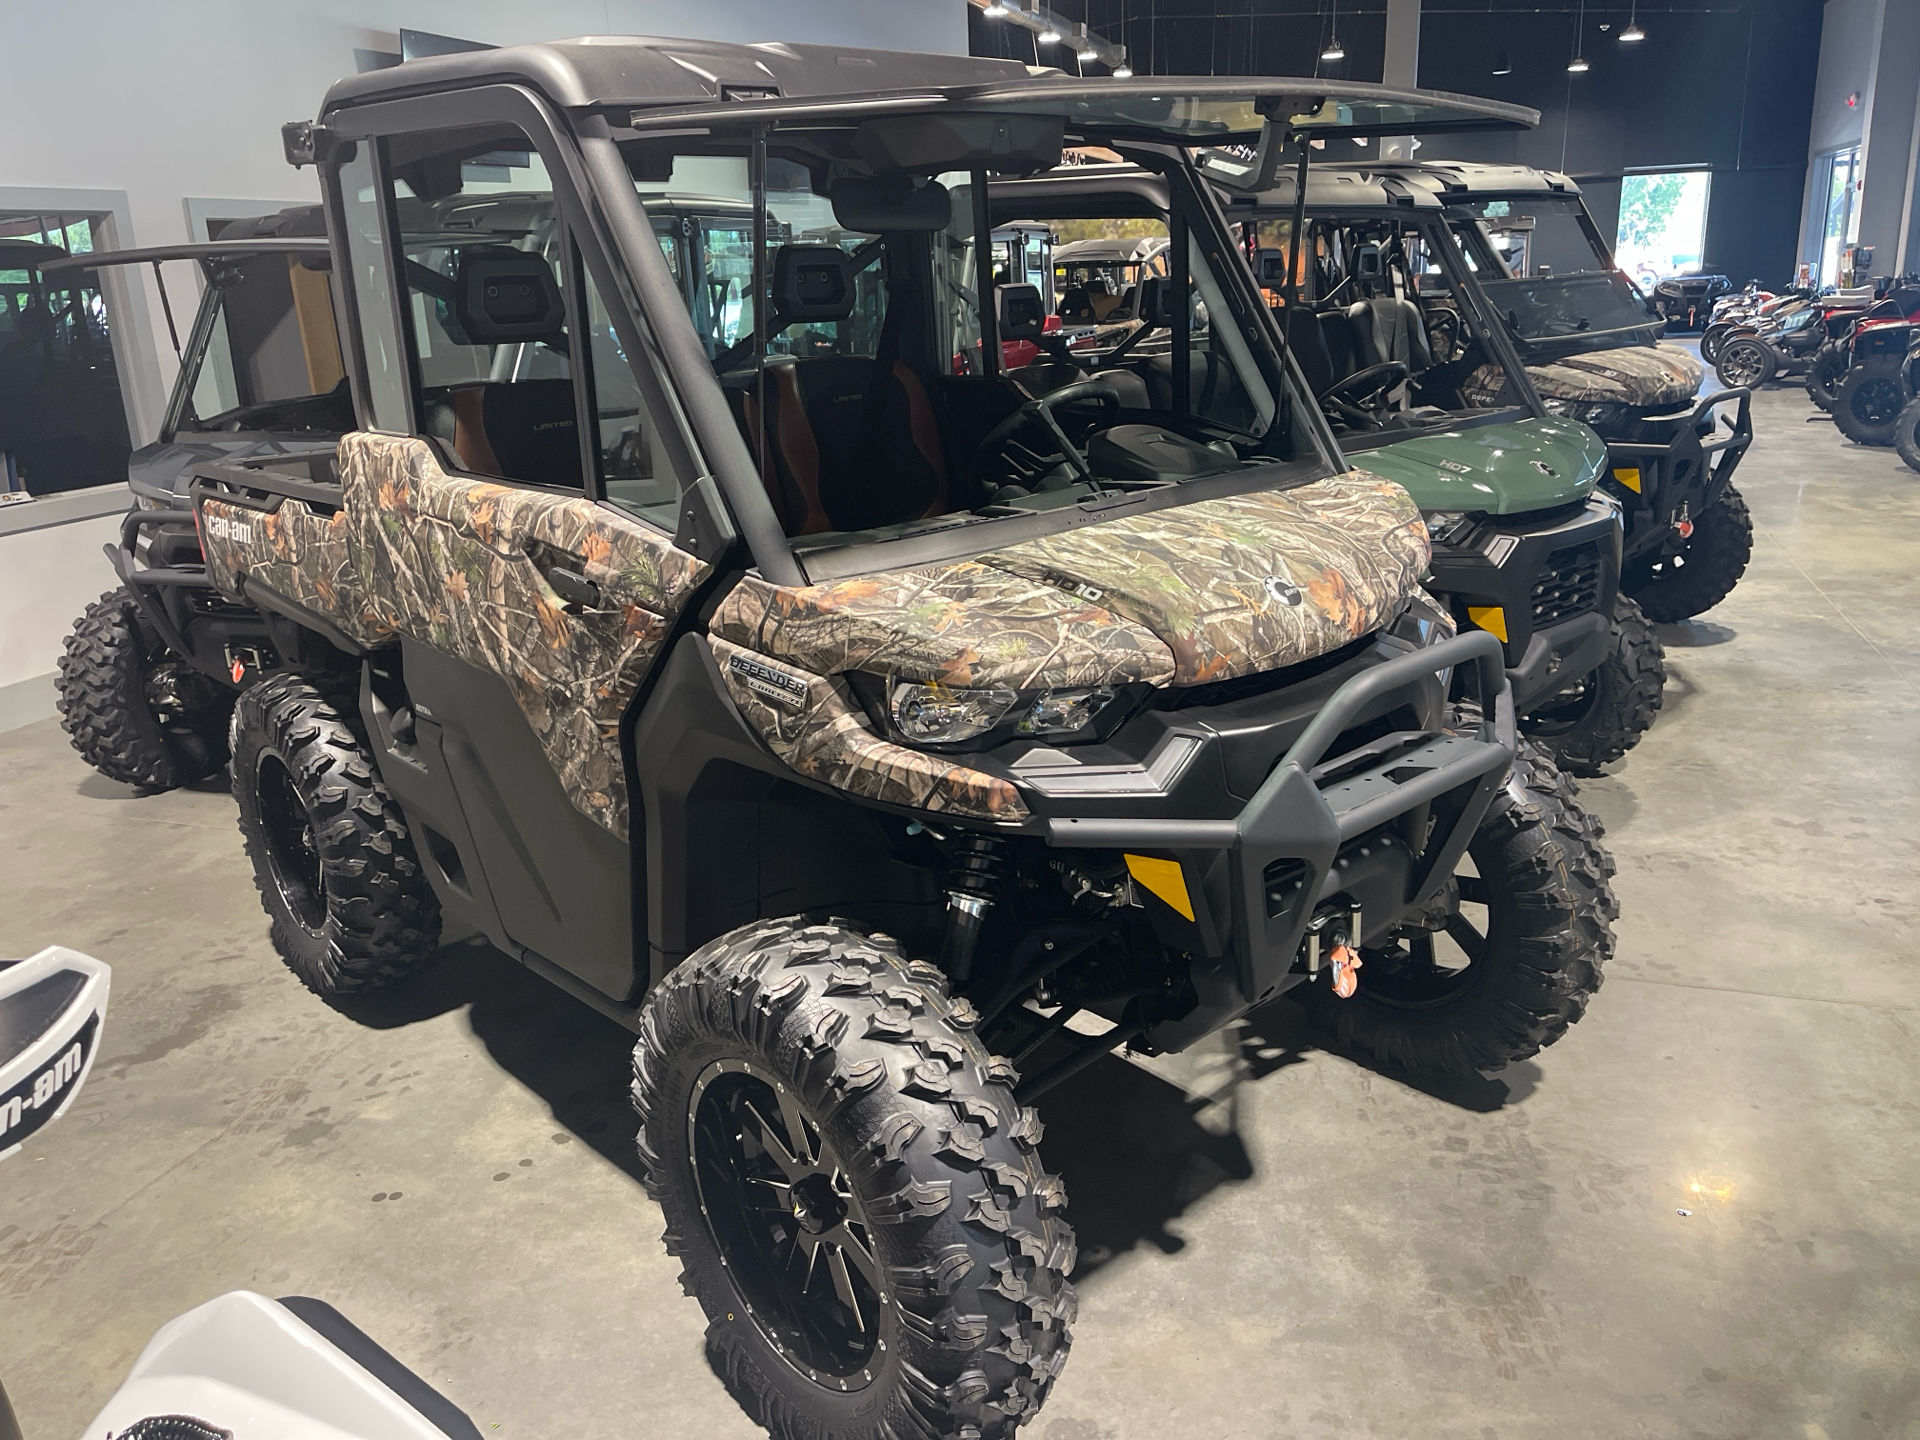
(1180, 596)
(1630, 375)
(1506, 469)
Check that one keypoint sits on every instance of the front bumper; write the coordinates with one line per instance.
(1546, 592)
(1378, 831)
(1661, 481)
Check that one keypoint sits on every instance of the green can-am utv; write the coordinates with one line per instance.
(882, 743)
(1394, 337)
(1591, 344)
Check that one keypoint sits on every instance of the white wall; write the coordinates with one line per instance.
(186, 98)
(183, 100)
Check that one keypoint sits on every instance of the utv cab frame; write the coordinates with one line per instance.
(858, 732)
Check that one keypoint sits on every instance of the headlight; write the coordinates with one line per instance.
(1448, 527)
(928, 713)
(938, 715)
(1061, 712)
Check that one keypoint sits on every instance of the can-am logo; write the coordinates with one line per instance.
(1282, 592)
(32, 1103)
(240, 532)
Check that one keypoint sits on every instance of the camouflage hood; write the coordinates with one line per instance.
(1629, 375)
(1179, 596)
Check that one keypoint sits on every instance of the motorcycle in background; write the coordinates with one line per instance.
(240, 1367)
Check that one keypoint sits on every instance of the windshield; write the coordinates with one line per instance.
(272, 355)
(864, 390)
(1547, 272)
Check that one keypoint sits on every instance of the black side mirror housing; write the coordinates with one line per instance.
(1021, 313)
(812, 283)
(505, 297)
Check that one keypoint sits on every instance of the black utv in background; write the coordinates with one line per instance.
(724, 633)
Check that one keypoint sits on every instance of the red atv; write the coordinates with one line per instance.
(1834, 360)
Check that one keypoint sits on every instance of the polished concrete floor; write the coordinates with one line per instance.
(1694, 1217)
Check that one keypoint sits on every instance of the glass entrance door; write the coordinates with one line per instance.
(1840, 214)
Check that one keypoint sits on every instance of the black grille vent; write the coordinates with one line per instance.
(1569, 585)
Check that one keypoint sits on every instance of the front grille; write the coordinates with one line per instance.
(1569, 585)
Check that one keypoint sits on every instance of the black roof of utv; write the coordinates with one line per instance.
(655, 70)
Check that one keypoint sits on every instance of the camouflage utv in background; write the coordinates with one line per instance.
(883, 744)
(1591, 344)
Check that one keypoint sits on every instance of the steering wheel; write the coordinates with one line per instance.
(1039, 414)
(1359, 398)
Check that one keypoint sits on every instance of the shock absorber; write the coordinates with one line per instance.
(979, 863)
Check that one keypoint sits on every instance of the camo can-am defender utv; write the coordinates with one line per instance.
(861, 733)
(1396, 339)
(1592, 349)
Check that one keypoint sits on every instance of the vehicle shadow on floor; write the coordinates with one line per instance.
(571, 1056)
(1137, 1150)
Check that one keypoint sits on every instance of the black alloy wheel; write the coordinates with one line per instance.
(286, 830)
(781, 1209)
(1868, 404)
(1906, 433)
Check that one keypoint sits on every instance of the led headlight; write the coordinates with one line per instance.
(1448, 527)
(941, 715)
(1061, 712)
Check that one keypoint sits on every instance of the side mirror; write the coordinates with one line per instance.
(51, 1010)
(1019, 310)
(1156, 302)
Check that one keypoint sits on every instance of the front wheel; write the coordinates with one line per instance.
(1824, 375)
(1603, 715)
(1517, 947)
(1746, 363)
(135, 711)
(349, 907)
(1906, 433)
(1712, 338)
(1672, 588)
(852, 1188)
(1868, 403)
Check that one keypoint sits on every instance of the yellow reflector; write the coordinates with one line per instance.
(1489, 617)
(1163, 878)
(1630, 478)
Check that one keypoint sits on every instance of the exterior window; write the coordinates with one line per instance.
(373, 292)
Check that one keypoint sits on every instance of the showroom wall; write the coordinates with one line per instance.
(161, 115)
(1866, 96)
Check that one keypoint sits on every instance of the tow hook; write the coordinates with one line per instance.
(1331, 937)
(1683, 525)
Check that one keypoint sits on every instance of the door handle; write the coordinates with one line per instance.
(574, 588)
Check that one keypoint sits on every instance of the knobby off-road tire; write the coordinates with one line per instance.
(1906, 433)
(786, 1034)
(1543, 905)
(349, 906)
(1829, 368)
(1715, 558)
(135, 713)
(1867, 406)
(1602, 717)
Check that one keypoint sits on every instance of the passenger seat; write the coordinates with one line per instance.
(519, 430)
(1387, 329)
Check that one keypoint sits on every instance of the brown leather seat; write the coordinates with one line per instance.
(850, 450)
(524, 430)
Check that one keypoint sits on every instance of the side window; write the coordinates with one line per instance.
(635, 469)
(361, 203)
(479, 250)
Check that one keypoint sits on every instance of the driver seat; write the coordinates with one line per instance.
(851, 448)
(1386, 329)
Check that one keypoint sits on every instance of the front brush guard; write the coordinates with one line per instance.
(1295, 817)
(1686, 470)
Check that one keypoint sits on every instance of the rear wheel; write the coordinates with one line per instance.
(1746, 363)
(1868, 403)
(1603, 715)
(852, 1188)
(1906, 433)
(1677, 587)
(349, 906)
(136, 712)
(1711, 339)
(1514, 956)
(1824, 375)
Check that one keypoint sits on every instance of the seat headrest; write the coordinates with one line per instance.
(812, 283)
(504, 297)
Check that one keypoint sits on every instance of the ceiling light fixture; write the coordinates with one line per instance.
(994, 10)
(1049, 36)
(1083, 48)
(1633, 31)
(1578, 64)
(1123, 72)
(1335, 50)
(1502, 63)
